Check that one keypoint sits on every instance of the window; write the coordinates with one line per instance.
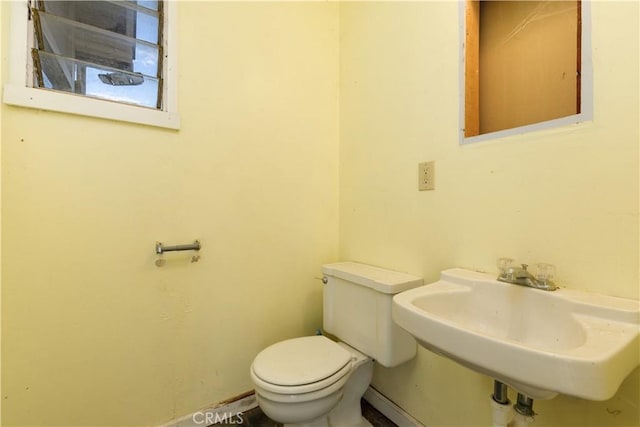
(526, 66)
(100, 49)
(108, 59)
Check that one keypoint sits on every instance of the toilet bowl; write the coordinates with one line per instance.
(311, 382)
(314, 381)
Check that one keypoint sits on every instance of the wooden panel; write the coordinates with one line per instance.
(471, 69)
(527, 62)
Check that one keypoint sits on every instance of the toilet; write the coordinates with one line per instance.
(314, 381)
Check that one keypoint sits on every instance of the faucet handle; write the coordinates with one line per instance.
(524, 266)
(545, 272)
(503, 264)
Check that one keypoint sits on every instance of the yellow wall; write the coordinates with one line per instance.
(93, 332)
(566, 196)
(1, 125)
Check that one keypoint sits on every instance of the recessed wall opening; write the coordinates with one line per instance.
(524, 64)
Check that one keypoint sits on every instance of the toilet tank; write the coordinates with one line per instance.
(357, 310)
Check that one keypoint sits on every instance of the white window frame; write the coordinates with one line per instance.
(569, 123)
(18, 90)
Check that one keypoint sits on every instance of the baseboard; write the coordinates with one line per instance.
(389, 409)
(223, 411)
(234, 407)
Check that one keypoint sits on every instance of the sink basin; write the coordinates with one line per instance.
(540, 343)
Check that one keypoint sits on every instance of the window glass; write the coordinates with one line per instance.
(109, 50)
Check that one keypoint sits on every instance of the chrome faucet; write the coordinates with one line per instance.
(520, 275)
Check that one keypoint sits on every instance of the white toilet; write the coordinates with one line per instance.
(314, 381)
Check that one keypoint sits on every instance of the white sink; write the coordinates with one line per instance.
(540, 343)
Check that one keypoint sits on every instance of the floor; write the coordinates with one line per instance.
(255, 418)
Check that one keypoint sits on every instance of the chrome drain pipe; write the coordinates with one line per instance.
(501, 406)
(504, 415)
(500, 393)
(523, 408)
(524, 405)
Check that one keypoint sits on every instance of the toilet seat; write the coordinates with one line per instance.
(301, 365)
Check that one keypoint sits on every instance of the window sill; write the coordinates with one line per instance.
(72, 104)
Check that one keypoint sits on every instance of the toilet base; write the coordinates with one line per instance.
(320, 422)
(324, 422)
(349, 411)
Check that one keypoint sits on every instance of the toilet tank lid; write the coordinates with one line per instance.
(380, 279)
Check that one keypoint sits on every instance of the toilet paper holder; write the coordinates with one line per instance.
(160, 248)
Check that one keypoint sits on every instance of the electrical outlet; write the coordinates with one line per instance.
(426, 176)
